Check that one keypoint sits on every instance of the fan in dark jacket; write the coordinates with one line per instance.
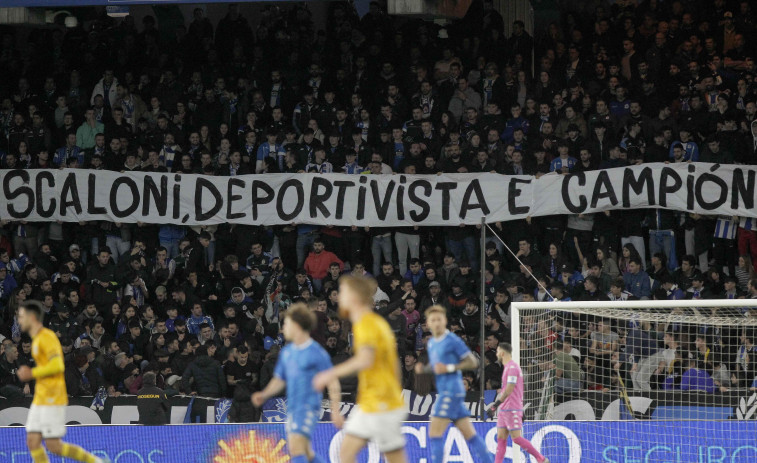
(209, 380)
(152, 403)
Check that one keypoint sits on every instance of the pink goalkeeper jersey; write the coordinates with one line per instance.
(512, 375)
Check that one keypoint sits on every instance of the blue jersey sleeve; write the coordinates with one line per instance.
(280, 370)
(460, 349)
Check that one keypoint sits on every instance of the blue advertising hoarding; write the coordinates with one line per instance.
(563, 442)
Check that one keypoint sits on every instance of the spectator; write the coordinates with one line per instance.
(637, 280)
(152, 404)
(696, 379)
(318, 261)
(567, 370)
(205, 378)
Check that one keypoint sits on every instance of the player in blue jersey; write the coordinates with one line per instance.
(448, 356)
(298, 363)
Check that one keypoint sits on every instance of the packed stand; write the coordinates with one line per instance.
(201, 306)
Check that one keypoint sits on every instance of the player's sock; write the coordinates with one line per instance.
(478, 446)
(39, 455)
(501, 450)
(300, 459)
(526, 445)
(77, 453)
(317, 459)
(437, 449)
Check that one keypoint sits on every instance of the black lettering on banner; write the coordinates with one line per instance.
(582, 202)
(513, 193)
(645, 180)
(709, 177)
(23, 190)
(382, 207)
(690, 188)
(603, 189)
(203, 184)
(361, 198)
(176, 212)
(415, 199)
(92, 208)
(70, 188)
(401, 198)
(152, 193)
(743, 194)
(44, 175)
(317, 199)
(474, 187)
(341, 186)
(666, 174)
(128, 181)
(280, 200)
(445, 188)
(257, 200)
(231, 183)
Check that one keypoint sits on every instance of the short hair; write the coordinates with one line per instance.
(34, 307)
(436, 308)
(506, 346)
(300, 314)
(364, 287)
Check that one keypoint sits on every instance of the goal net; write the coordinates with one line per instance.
(639, 381)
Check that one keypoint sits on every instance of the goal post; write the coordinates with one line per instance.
(663, 368)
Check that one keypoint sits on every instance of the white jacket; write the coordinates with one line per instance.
(99, 90)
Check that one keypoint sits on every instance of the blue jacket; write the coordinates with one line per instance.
(695, 379)
(638, 284)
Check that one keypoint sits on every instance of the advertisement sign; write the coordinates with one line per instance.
(418, 406)
(562, 441)
(583, 406)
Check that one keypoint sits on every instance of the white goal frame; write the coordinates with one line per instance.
(616, 309)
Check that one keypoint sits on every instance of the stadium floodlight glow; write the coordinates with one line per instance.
(682, 363)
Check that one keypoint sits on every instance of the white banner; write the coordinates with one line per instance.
(369, 200)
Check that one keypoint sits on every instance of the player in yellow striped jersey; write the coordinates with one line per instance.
(380, 409)
(47, 415)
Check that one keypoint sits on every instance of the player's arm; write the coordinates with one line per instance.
(505, 392)
(335, 402)
(467, 362)
(275, 387)
(54, 366)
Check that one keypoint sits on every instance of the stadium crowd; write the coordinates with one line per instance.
(613, 85)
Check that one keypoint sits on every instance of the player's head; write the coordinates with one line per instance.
(299, 320)
(355, 293)
(436, 319)
(504, 350)
(30, 314)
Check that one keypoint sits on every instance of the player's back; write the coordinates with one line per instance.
(297, 365)
(50, 390)
(448, 349)
(512, 374)
(379, 387)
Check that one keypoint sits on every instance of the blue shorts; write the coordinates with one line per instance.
(451, 407)
(303, 421)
